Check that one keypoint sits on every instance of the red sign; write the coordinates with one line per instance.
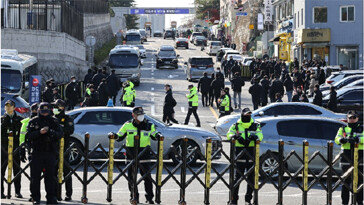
(35, 82)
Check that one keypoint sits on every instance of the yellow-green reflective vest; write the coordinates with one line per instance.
(23, 130)
(345, 132)
(131, 131)
(193, 97)
(240, 127)
(225, 103)
(128, 96)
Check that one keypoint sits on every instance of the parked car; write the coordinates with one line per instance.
(158, 34)
(197, 65)
(341, 83)
(236, 57)
(359, 82)
(348, 98)
(280, 109)
(293, 130)
(200, 41)
(22, 108)
(99, 121)
(336, 76)
(193, 35)
(167, 56)
(142, 51)
(247, 60)
(182, 42)
(221, 53)
(214, 47)
(169, 34)
(229, 52)
(328, 69)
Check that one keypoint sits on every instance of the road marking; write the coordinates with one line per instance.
(183, 109)
(152, 110)
(214, 113)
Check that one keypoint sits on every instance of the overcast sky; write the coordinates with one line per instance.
(169, 4)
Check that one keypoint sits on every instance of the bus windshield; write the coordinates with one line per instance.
(11, 81)
(124, 61)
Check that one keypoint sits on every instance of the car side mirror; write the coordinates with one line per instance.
(261, 113)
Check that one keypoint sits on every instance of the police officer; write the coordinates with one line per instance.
(10, 122)
(192, 105)
(346, 137)
(224, 103)
(139, 126)
(43, 133)
(128, 97)
(245, 131)
(72, 93)
(68, 128)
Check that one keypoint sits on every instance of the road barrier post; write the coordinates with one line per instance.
(85, 169)
(232, 170)
(208, 170)
(355, 173)
(305, 172)
(182, 200)
(110, 167)
(135, 168)
(280, 171)
(10, 162)
(60, 167)
(159, 170)
(330, 146)
(256, 171)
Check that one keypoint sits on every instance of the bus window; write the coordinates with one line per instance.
(11, 80)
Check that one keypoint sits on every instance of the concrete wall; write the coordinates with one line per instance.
(59, 55)
(99, 26)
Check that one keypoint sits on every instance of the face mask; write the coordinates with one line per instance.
(140, 118)
(73, 81)
(245, 118)
(56, 111)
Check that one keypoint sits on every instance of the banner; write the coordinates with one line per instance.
(260, 22)
(34, 89)
(268, 10)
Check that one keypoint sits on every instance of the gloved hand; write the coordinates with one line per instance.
(343, 141)
(253, 137)
(353, 140)
(236, 136)
(22, 154)
(112, 135)
(157, 136)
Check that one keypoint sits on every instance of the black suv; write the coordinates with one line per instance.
(169, 34)
(167, 56)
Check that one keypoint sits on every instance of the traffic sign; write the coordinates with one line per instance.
(241, 13)
(251, 26)
(159, 11)
(90, 41)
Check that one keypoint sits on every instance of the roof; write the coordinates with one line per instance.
(11, 57)
(101, 108)
(296, 117)
(124, 50)
(166, 48)
(200, 57)
(347, 71)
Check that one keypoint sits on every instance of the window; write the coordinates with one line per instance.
(295, 21)
(356, 95)
(329, 130)
(347, 13)
(301, 17)
(305, 110)
(74, 116)
(299, 128)
(298, 19)
(320, 14)
(121, 117)
(98, 118)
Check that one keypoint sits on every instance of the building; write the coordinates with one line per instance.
(329, 30)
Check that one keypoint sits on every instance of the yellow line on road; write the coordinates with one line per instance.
(214, 113)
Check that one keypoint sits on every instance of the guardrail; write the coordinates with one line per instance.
(206, 173)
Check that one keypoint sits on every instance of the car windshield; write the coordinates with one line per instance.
(201, 61)
(216, 43)
(133, 37)
(167, 53)
(197, 34)
(142, 32)
(124, 61)
(200, 37)
(11, 81)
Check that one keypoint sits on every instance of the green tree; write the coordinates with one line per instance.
(131, 20)
(208, 9)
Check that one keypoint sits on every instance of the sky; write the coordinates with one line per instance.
(170, 4)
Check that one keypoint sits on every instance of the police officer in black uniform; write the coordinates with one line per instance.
(68, 128)
(43, 134)
(10, 122)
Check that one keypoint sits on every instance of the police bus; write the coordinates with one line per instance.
(15, 72)
(133, 37)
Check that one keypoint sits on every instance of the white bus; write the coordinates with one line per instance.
(133, 37)
(15, 72)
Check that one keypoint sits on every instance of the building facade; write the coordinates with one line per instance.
(329, 30)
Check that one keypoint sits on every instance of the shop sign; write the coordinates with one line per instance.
(314, 35)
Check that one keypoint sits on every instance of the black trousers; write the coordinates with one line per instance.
(264, 99)
(168, 116)
(211, 99)
(114, 99)
(46, 161)
(16, 170)
(148, 185)
(66, 171)
(255, 104)
(192, 110)
(243, 167)
(345, 192)
(205, 99)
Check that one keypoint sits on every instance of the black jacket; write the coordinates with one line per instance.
(265, 85)
(66, 122)
(276, 87)
(332, 104)
(113, 84)
(88, 78)
(237, 83)
(10, 124)
(169, 103)
(43, 143)
(72, 92)
(204, 84)
(296, 97)
(94, 99)
(217, 85)
(236, 69)
(256, 90)
(47, 95)
(288, 84)
(103, 94)
(96, 80)
(317, 97)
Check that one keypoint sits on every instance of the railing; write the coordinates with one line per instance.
(205, 173)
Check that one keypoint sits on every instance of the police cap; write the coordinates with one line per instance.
(10, 102)
(138, 111)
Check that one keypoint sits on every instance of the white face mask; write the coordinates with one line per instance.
(56, 111)
(73, 81)
(140, 118)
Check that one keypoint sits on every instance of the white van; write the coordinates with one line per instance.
(214, 47)
(15, 72)
(133, 37)
(126, 62)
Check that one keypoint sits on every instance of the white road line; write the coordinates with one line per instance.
(152, 110)
(183, 109)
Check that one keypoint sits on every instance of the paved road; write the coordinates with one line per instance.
(150, 95)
